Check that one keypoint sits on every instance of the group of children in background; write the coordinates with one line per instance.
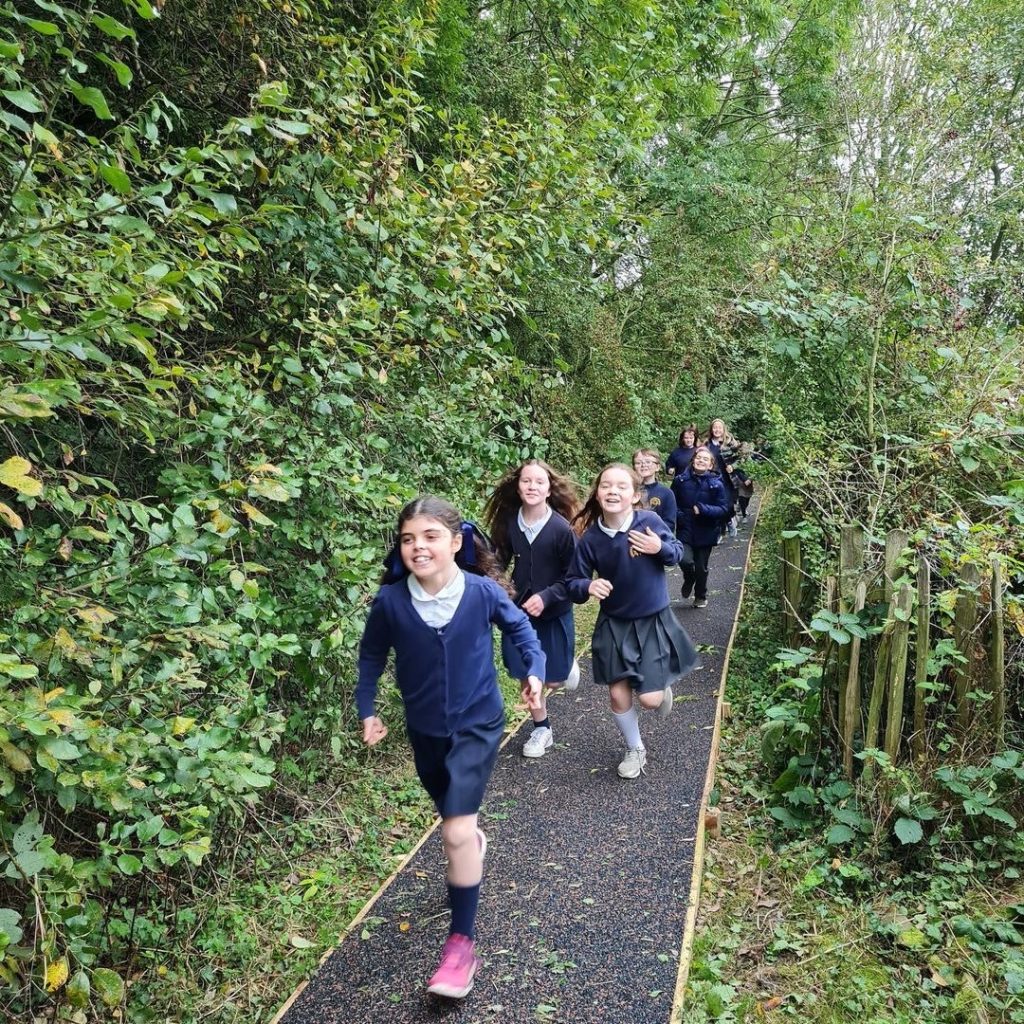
(445, 586)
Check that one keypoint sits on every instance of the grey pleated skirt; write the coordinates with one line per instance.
(650, 653)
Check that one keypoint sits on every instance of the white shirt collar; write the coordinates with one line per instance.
(532, 530)
(624, 528)
(438, 609)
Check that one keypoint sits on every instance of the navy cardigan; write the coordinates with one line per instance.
(661, 500)
(679, 459)
(446, 676)
(540, 567)
(638, 581)
(708, 493)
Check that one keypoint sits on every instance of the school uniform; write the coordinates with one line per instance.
(445, 673)
(679, 459)
(699, 533)
(658, 498)
(636, 638)
(540, 555)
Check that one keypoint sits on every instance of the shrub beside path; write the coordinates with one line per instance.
(585, 911)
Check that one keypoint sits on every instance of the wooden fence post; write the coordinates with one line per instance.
(898, 669)
(922, 651)
(850, 692)
(792, 587)
(895, 545)
(871, 730)
(964, 620)
(851, 571)
(997, 657)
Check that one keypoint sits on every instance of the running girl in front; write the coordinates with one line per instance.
(638, 646)
(528, 519)
(439, 620)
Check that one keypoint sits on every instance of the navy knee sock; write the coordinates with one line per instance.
(463, 899)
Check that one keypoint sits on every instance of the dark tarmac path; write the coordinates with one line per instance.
(588, 877)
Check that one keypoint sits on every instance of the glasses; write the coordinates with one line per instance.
(645, 462)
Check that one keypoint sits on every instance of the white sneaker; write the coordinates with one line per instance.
(572, 680)
(481, 840)
(539, 743)
(634, 764)
(665, 707)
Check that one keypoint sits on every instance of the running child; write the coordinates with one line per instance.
(439, 618)
(638, 646)
(703, 507)
(725, 450)
(654, 495)
(680, 457)
(528, 519)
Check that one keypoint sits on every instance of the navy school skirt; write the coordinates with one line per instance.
(650, 653)
(558, 642)
(455, 769)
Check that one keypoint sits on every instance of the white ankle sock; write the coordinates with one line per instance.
(629, 726)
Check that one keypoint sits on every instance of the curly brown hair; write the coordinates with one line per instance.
(504, 502)
(591, 511)
(484, 562)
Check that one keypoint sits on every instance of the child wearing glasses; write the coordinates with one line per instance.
(654, 495)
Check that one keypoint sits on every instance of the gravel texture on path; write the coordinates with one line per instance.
(587, 878)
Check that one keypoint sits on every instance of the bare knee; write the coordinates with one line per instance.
(651, 700)
(458, 833)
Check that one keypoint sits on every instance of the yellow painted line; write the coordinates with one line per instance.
(368, 906)
(690, 928)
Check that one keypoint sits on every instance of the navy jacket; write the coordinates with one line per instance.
(708, 493)
(446, 676)
(679, 459)
(540, 567)
(640, 588)
(661, 500)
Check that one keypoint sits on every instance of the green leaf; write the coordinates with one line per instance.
(78, 990)
(109, 986)
(112, 27)
(839, 834)
(116, 179)
(10, 933)
(908, 831)
(129, 864)
(91, 97)
(60, 748)
(1004, 817)
(24, 99)
(123, 72)
(44, 28)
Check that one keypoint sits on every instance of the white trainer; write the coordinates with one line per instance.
(572, 680)
(634, 764)
(665, 707)
(539, 743)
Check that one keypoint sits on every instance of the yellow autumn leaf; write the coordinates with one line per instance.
(15, 474)
(255, 515)
(136, 783)
(62, 716)
(15, 757)
(181, 725)
(95, 615)
(64, 641)
(404, 926)
(11, 518)
(266, 467)
(56, 974)
(52, 694)
(221, 523)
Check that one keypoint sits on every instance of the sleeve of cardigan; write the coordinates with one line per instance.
(515, 624)
(581, 572)
(374, 648)
(564, 550)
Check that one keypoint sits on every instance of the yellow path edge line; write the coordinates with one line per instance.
(690, 928)
(368, 906)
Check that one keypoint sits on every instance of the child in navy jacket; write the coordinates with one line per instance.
(680, 457)
(637, 645)
(439, 621)
(703, 507)
(528, 517)
(654, 496)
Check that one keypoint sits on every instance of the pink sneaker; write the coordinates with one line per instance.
(454, 978)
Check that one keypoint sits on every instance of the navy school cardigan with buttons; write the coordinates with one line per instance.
(661, 500)
(639, 587)
(707, 492)
(446, 675)
(540, 567)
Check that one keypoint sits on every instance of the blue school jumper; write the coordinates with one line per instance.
(446, 676)
(679, 459)
(638, 581)
(661, 500)
(540, 568)
(707, 492)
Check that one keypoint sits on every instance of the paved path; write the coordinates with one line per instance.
(588, 877)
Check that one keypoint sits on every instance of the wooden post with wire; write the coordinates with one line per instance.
(922, 652)
(851, 689)
(901, 609)
(997, 657)
(964, 620)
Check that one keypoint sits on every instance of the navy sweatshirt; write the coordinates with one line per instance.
(446, 676)
(707, 492)
(540, 567)
(640, 588)
(661, 500)
(679, 459)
